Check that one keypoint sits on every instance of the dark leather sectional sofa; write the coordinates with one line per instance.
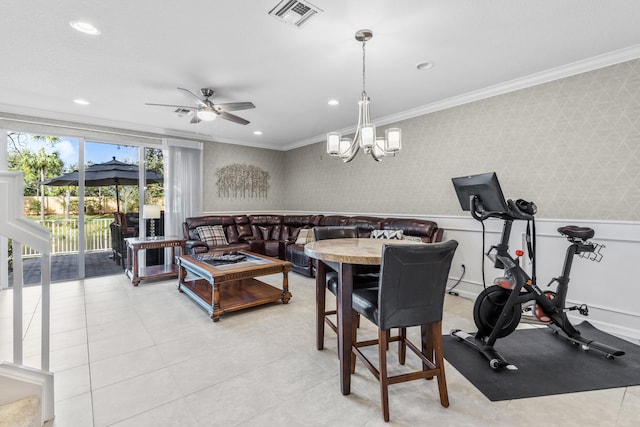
(275, 235)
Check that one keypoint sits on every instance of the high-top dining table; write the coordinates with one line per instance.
(345, 253)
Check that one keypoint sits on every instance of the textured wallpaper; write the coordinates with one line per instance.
(572, 146)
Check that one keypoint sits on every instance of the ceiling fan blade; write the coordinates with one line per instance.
(193, 96)
(195, 119)
(235, 106)
(233, 118)
(173, 106)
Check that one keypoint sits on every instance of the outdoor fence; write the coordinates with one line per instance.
(65, 236)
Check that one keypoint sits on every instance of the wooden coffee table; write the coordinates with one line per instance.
(221, 286)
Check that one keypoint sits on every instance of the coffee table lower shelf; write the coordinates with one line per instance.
(234, 295)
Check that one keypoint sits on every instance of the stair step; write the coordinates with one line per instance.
(20, 413)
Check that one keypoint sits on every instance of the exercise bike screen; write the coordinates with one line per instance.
(485, 187)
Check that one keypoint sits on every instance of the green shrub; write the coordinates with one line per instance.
(34, 207)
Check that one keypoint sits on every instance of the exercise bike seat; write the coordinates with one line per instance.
(575, 232)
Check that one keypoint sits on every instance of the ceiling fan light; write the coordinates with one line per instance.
(207, 115)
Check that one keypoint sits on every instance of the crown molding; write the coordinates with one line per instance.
(568, 70)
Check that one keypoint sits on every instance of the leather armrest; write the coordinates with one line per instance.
(194, 246)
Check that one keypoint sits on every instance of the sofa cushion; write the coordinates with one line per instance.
(422, 228)
(366, 224)
(334, 221)
(291, 225)
(212, 235)
(265, 232)
(190, 225)
(244, 230)
(386, 234)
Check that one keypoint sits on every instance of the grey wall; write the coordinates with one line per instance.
(572, 146)
(219, 155)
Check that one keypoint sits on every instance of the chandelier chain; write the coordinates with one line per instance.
(364, 91)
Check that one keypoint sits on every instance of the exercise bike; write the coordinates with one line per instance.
(498, 309)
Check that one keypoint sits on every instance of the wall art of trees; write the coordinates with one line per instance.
(242, 181)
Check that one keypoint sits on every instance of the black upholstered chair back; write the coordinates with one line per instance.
(413, 279)
(323, 233)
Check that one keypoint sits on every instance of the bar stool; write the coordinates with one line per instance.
(364, 277)
(411, 292)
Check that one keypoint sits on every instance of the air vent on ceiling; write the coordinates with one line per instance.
(294, 12)
(182, 112)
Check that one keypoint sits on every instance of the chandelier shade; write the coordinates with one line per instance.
(365, 135)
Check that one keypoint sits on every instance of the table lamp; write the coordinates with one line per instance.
(151, 212)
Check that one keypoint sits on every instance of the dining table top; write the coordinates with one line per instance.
(352, 250)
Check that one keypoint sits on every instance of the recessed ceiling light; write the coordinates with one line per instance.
(425, 66)
(333, 102)
(257, 132)
(81, 102)
(84, 27)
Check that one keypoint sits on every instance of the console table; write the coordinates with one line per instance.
(137, 272)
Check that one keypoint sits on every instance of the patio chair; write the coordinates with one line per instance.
(122, 231)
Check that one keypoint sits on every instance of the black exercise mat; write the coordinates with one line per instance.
(547, 364)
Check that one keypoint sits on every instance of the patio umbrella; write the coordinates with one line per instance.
(105, 174)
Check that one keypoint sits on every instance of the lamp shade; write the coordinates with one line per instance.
(151, 212)
(393, 140)
(367, 136)
(333, 143)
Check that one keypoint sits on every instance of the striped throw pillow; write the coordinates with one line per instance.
(212, 235)
(386, 234)
(304, 236)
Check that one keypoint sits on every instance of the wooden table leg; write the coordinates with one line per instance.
(321, 294)
(182, 274)
(345, 322)
(217, 311)
(286, 295)
(134, 276)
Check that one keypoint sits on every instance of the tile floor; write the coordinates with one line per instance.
(149, 356)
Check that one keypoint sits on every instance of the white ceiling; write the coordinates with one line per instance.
(147, 49)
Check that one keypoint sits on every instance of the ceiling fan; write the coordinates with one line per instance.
(206, 110)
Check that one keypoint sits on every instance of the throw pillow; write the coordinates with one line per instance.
(304, 236)
(386, 234)
(212, 235)
(412, 238)
(244, 230)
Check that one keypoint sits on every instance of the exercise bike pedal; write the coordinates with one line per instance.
(582, 309)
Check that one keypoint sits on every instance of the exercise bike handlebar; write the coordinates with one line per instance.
(514, 212)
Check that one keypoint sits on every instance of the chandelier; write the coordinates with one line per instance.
(365, 136)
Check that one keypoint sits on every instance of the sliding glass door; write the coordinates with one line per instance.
(78, 204)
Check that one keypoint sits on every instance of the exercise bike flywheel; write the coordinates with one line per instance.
(488, 309)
